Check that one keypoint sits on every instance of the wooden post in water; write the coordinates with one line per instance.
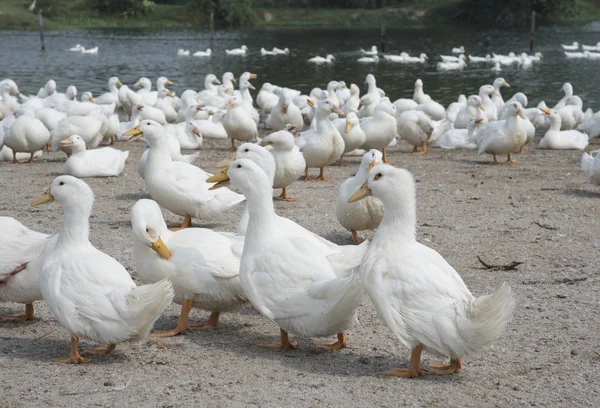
(41, 22)
(532, 32)
(212, 31)
(382, 38)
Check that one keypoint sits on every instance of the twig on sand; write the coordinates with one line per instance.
(548, 227)
(510, 267)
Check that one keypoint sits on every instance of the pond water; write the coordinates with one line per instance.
(130, 54)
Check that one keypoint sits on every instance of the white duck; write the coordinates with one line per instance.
(572, 113)
(88, 292)
(368, 60)
(572, 47)
(191, 138)
(324, 144)
(207, 53)
(365, 214)
(183, 53)
(504, 137)
(238, 123)
(279, 51)
(21, 258)
(497, 97)
(565, 139)
(320, 60)
(266, 98)
(285, 112)
(202, 265)
(473, 58)
(352, 133)
(421, 59)
(370, 100)
(264, 52)
(460, 138)
(419, 96)
(458, 50)
(8, 87)
(288, 279)
(419, 296)
(165, 104)
(212, 128)
(27, 135)
(451, 66)
(289, 161)
(210, 89)
(243, 50)
(151, 113)
(148, 96)
(453, 58)
(102, 162)
(353, 101)
(174, 150)
(179, 187)
(485, 93)
(473, 110)
(416, 128)
(591, 47)
(454, 108)
(568, 90)
(590, 165)
(380, 129)
(372, 51)
(112, 96)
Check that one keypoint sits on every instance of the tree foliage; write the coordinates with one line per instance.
(515, 11)
(234, 13)
(125, 7)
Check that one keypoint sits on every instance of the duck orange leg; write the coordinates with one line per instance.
(385, 160)
(19, 318)
(284, 343)
(510, 160)
(338, 345)
(444, 369)
(284, 196)
(414, 367)
(75, 357)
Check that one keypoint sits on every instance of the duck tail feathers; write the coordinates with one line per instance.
(488, 317)
(147, 303)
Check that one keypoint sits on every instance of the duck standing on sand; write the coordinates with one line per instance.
(419, 296)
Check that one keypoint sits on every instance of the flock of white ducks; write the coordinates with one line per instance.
(305, 284)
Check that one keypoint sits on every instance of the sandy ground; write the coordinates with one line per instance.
(543, 213)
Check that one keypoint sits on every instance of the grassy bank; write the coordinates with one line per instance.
(68, 14)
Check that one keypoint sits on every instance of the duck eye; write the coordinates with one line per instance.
(247, 150)
(239, 166)
(62, 183)
(378, 176)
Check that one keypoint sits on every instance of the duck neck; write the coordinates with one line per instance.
(261, 216)
(555, 124)
(112, 87)
(322, 120)
(159, 152)
(400, 217)
(75, 228)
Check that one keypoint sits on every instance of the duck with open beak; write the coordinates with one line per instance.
(134, 134)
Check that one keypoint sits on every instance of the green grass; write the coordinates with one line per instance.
(426, 12)
(67, 14)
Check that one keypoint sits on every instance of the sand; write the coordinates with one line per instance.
(543, 213)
